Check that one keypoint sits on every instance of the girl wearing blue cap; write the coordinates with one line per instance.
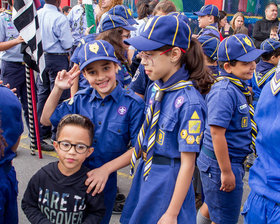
(114, 29)
(170, 136)
(229, 132)
(116, 114)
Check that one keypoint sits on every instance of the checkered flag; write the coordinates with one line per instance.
(26, 21)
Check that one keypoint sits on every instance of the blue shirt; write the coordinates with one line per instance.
(211, 30)
(264, 73)
(78, 23)
(117, 119)
(228, 108)
(55, 30)
(181, 120)
(264, 176)
(10, 122)
(9, 32)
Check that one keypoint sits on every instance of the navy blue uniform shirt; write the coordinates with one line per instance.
(228, 108)
(117, 119)
(181, 120)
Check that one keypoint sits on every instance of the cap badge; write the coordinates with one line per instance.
(129, 12)
(247, 41)
(94, 48)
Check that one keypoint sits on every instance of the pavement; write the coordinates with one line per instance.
(26, 165)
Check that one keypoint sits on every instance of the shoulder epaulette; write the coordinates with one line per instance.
(275, 84)
(131, 94)
(265, 76)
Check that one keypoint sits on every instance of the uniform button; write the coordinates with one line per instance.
(188, 88)
(99, 122)
(94, 140)
(119, 131)
(102, 104)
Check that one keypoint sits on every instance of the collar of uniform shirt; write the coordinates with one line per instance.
(114, 94)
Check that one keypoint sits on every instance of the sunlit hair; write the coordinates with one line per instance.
(232, 22)
(114, 37)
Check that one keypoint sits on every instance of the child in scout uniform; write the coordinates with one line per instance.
(11, 128)
(162, 191)
(210, 46)
(115, 112)
(208, 18)
(229, 131)
(266, 67)
(57, 193)
(263, 203)
(113, 29)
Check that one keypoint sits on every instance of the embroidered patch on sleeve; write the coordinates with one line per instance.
(190, 139)
(194, 126)
(184, 133)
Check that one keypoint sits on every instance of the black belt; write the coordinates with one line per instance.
(161, 160)
(56, 53)
(212, 155)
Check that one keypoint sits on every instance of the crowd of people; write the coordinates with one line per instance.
(196, 110)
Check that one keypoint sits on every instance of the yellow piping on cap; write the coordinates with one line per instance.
(153, 28)
(175, 35)
(104, 48)
(241, 44)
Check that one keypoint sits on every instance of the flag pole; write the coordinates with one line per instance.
(32, 112)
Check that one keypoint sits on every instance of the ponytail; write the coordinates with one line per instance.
(193, 60)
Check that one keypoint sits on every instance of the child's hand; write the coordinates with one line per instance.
(97, 180)
(228, 181)
(8, 86)
(167, 219)
(64, 80)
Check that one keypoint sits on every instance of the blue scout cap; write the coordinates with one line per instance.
(238, 47)
(269, 45)
(160, 31)
(180, 15)
(96, 50)
(123, 11)
(208, 10)
(111, 22)
(209, 45)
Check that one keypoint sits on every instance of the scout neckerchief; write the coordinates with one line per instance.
(173, 84)
(246, 92)
(261, 78)
(275, 83)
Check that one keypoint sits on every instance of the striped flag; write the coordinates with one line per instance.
(26, 21)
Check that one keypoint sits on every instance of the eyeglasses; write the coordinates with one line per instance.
(66, 146)
(126, 36)
(151, 59)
